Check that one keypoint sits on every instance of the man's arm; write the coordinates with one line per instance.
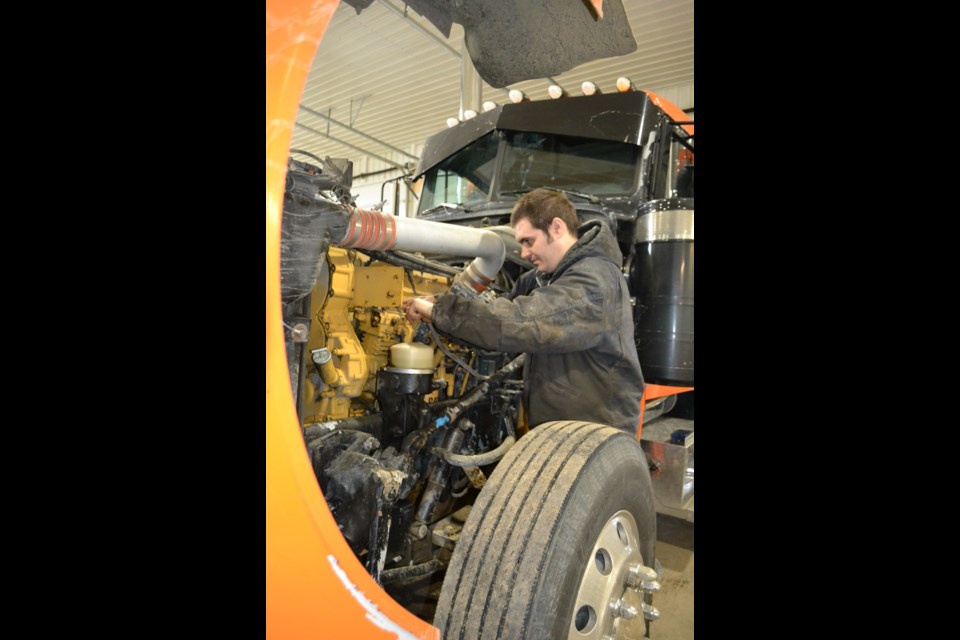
(568, 315)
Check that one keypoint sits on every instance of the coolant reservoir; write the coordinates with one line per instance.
(411, 355)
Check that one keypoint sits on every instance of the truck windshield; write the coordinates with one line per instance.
(531, 160)
(598, 167)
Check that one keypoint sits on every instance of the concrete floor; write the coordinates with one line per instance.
(675, 599)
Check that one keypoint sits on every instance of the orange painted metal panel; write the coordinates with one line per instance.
(671, 110)
(315, 586)
(654, 391)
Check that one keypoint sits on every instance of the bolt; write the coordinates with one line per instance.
(621, 609)
(650, 612)
(419, 530)
(650, 585)
(298, 332)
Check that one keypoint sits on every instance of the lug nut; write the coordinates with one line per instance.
(637, 574)
(650, 612)
(621, 609)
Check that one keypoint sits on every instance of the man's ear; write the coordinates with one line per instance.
(556, 227)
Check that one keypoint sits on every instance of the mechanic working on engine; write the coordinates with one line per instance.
(571, 315)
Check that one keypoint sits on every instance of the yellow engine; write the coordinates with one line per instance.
(356, 317)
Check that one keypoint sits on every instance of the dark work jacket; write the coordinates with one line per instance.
(576, 327)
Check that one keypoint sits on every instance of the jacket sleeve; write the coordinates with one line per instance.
(564, 316)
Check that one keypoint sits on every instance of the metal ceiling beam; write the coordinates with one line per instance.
(359, 133)
(347, 144)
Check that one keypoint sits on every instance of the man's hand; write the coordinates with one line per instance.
(419, 308)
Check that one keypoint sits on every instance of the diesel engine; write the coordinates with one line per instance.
(401, 424)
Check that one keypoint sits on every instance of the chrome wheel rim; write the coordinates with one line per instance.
(609, 600)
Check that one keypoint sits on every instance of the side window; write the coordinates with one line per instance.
(464, 177)
(681, 165)
(684, 182)
(453, 188)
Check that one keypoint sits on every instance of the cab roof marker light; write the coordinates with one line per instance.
(469, 113)
(556, 91)
(489, 105)
(517, 96)
(624, 85)
(590, 89)
(452, 122)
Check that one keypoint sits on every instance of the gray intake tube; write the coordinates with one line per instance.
(382, 232)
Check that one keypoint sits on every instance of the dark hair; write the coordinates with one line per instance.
(541, 206)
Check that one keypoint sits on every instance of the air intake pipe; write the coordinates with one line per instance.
(381, 232)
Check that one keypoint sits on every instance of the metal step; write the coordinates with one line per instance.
(668, 445)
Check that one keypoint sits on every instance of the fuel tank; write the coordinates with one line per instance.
(661, 279)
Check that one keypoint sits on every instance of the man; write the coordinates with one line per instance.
(571, 315)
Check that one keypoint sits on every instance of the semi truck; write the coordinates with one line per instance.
(412, 490)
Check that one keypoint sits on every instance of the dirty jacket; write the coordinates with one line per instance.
(576, 327)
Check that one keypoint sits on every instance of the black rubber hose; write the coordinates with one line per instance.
(478, 460)
(480, 391)
(413, 571)
(363, 423)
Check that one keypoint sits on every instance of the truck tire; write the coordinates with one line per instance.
(547, 546)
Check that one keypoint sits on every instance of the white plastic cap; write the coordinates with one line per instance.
(555, 91)
(588, 88)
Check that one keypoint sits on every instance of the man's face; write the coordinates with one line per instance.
(538, 247)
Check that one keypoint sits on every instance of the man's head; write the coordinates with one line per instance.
(545, 224)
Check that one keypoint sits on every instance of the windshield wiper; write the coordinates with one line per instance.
(586, 196)
(446, 206)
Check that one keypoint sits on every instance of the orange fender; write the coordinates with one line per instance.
(316, 587)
